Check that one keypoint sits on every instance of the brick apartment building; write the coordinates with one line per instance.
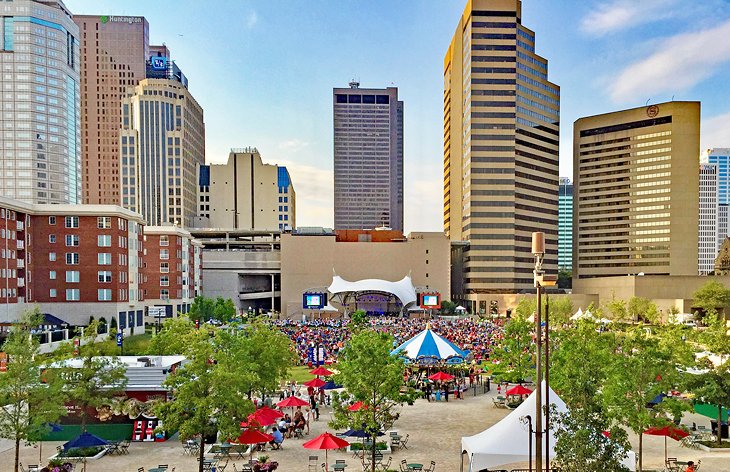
(78, 261)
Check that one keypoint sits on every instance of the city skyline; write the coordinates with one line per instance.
(267, 46)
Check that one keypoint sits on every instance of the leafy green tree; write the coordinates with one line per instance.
(448, 307)
(173, 337)
(202, 309)
(641, 368)
(560, 310)
(89, 379)
(28, 402)
(514, 352)
(224, 310)
(371, 375)
(565, 278)
(525, 308)
(358, 320)
(643, 309)
(618, 309)
(712, 297)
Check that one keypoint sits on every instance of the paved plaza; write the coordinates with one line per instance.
(435, 431)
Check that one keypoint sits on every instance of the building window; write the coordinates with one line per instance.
(104, 222)
(51, 256)
(72, 295)
(52, 293)
(72, 276)
(72, 222)
(164, 240)
(72, 240)
(104, 240)
(52, 275)
(51, 220)
(104, 258)
(104, 294)
(164, 267)
(72, 258)
(104, 276)
(164, 254)
(52, 238)
(164, 294)
(164, 281)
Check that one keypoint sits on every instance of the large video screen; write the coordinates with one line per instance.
(430, 300)
(314, 300)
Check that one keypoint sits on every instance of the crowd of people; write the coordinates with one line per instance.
(476, 336)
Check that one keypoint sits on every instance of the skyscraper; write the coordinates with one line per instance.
(162, 141)
(245, 193)
(41, 145)
(368, 139)
(708, 219)
(501, 119)
(636, 192)
(721, 158)
(565, 224)
(113, 54)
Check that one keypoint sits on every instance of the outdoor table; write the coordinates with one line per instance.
(415, 466)
(225, 449)
(157, 469)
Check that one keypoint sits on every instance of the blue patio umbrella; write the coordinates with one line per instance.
(330, 385)
(85, 439)
(359, 433)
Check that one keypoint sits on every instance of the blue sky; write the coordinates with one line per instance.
(264, 70)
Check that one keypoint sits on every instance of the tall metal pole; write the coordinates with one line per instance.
(538, 392)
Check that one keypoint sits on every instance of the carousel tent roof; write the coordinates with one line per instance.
(403, 289)
(428, 344)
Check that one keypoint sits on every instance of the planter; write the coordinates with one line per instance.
(78, 459)
(702, 447)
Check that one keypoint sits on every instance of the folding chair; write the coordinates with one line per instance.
(404, 441)
(313, 463)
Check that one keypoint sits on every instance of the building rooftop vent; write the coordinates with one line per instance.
(354, 84)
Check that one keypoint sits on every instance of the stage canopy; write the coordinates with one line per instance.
(402, 289)
(429, 345)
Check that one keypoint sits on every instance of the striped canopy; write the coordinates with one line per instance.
(428, 344)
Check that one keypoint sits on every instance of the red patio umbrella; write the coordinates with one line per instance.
(292, 402)
(518, 390)
(358, 405)
(263, 417)
(441, 376)
(315, 383)
(326, 441)
(321, 371)
(667, 431)
(253, 436)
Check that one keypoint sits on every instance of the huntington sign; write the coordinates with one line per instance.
(121, 19)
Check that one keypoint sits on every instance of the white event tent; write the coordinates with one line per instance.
(507, 442)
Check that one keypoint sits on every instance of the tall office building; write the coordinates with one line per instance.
(501, 119)
(708, 219)
(636, 186)
(41, 146)
(113, 54)
(368, 158)
(245, 193)
(721, 158)
(565, 224)
(162, 142)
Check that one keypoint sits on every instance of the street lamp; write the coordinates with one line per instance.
(540, 280)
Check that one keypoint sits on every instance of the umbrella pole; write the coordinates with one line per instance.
(665, 449)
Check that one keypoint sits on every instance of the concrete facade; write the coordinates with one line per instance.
(308, 262)
(368, 158)
(245, 194)
(636, 192)
(40, 106)
(501, 120)
(113, 54)
(708, 219)
(162, 142)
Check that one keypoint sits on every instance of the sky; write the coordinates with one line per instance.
(264, 70)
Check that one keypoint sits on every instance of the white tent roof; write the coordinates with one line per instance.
(507, 442)
(459, 308)
(403, 289)
(329, 307)
(582, 315)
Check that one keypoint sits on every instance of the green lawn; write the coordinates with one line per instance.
(300, 374)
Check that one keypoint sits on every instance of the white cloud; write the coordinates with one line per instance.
(715, 132)
(424, 204)
(619, 15)
(679, 63)
(252, 19)
(293, 145)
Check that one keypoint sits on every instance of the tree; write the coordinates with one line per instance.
(448, 307)
(643, 309)
(560, 310)
(202, 309)
(514, 352)
(371, 375)
(358, 320)
(618, 309)
(713, 384)
(173, 337)
(28, 402)
(211, 392)
(89, 379)
(722, 261)
(224, 310)
(641, 368)
(712, 297)
(565, 278)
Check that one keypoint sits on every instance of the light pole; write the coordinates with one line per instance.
(541, 280)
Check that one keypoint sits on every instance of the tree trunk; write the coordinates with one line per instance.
(641, 450)
(17, 453)
(201, 458)
(375, 448)
(719, 424)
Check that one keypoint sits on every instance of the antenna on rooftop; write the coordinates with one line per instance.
(355, 83)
